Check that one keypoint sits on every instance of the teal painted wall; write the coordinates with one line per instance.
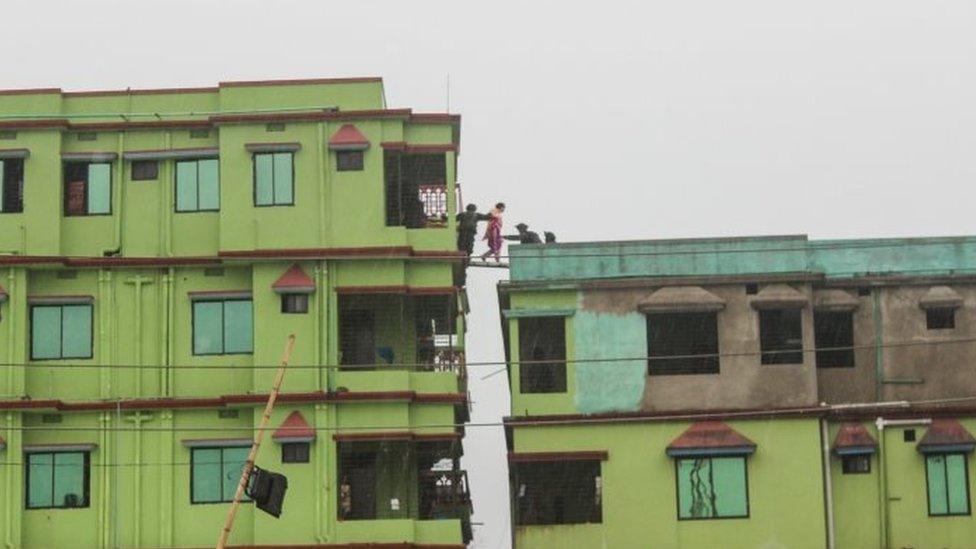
(746, 255)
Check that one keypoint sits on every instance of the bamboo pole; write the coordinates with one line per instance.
(259, 436)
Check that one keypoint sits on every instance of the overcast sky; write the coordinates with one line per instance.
(603, 120)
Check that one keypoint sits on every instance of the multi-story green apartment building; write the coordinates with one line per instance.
(768, 392)
(157, 247)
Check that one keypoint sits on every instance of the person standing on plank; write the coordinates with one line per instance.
(493, 234)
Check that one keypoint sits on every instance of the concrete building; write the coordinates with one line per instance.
(808, 393)
(156, 249)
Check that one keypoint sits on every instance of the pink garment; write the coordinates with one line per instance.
(493, 234)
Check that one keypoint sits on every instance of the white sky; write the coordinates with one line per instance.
(606, 120)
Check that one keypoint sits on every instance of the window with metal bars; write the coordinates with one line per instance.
(834, 339)
(542, 354)
(87, 188)
(12, 185)
(557, 492)
(682, 343)
(405, 174)
(781, 336)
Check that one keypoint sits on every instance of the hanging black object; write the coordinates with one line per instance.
(267, 489)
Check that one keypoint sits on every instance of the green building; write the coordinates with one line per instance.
(157, 247)
(770, 392)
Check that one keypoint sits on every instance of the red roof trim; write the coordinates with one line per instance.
(301, 81)
(407, 436)
(387, 545)
(379, 252)
(59, 123)
(138, 261)
(147, 124)
(436, 117)
(393, 252)
(408, 290)
(146, 91)
(535, 457)
(31, 91)
(419, 148)
(309, 116)
(229, 400)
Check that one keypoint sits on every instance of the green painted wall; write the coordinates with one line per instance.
(142, 317)
(639, 500)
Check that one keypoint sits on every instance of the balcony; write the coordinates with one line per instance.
(403, 479)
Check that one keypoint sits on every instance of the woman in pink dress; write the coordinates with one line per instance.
(493, 234)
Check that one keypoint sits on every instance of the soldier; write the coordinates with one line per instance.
(467, 228)
(524, 236)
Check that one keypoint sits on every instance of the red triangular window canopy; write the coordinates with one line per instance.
(294, 281)
(946, 435)
(710, 438)
(294, 429)
(853, 439)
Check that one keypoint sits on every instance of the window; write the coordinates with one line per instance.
(948, 484)
(87, 188)
(347, 161)
(780, 336)
(295, 452)
(294, 303)
(834, 333)
(223, 327)
(61, 331)
(856, 465)
(57, 480)
(198, 185)
(215, 473)
(144, 170)
(12, 185)
(712, 487)
(940, 318)
(682, 335)
(558, 492)
(404, 175)
(542, 354)
(274, 179)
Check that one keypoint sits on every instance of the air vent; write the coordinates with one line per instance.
(228, 414)
(51, 418)
(864, 291)
(87, 136)
(67, 275)
(199, 134)
(8, 134)
(752, 288)
(213, 271)
(275, 127)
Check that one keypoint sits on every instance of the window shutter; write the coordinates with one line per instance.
(233, 465)
(40, 487)
(238, 327)
(206, 475)
(283, 179)
(207, 328)
(76, 321)
(263, 179)
(956, 484)
(186, 187)
(69, 478)
(46, 332)
(209, 185)
(99, 188)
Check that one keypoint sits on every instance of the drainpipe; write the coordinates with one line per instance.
(137, 419)
(322, 181)
(137, 282)
(120, 193)
(878, 345)
(170, 292)
(828, 484)
(880, 423)
(11, 342)
(167, 208)
(103, 446)
(9, 488)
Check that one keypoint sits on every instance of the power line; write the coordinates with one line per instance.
(447, 367)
